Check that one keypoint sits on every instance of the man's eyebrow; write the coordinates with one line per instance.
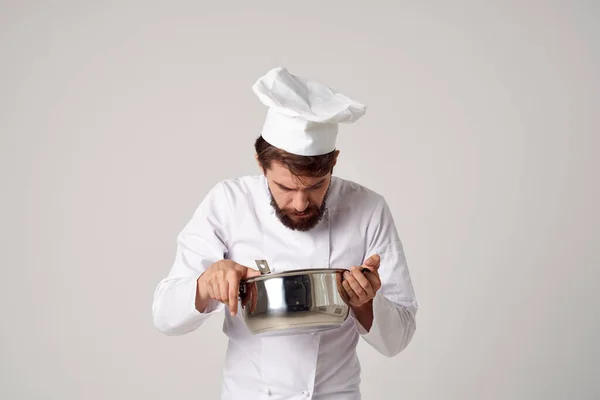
(318, 183)
(282, 186)
(310, 187)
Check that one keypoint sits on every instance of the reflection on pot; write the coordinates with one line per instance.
(294, 302)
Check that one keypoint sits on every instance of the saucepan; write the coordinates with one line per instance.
(293, 302)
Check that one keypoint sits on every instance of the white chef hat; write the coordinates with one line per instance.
(303, 115)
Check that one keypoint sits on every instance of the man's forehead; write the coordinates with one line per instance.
(283, 176)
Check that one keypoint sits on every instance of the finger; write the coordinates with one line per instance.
(217, 290)
(371, 274)
(374, 280)
(352, 296)
(341, 289)
(245, 272)
(250, 272)
(211, 291)
(246, 294)
(245, 299)
(373, 261)
(358, 289)
(223, 292)
(233, 296)
(233, 282)
(254, 292)
(364, 283)
(353, 289)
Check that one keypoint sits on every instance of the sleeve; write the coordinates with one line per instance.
(202, 242)
(394, 306)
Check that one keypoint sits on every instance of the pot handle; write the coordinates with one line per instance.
(362, 270)
(263, 266)
(242, 289)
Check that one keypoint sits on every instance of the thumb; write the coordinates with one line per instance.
(373, 261)
(250, 272)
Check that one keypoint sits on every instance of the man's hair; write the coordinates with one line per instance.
(313, 166)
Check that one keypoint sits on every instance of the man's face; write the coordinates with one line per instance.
(298, 203)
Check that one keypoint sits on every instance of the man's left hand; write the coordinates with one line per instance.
(360, 287)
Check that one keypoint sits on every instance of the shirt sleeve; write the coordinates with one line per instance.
(395, 305)
(202, 242)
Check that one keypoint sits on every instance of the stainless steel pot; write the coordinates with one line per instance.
(291, 302)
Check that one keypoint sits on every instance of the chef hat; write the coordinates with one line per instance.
(303, 115)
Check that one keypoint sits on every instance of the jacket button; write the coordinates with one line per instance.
(268, 391)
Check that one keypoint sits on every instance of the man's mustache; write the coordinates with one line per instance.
(309, 211)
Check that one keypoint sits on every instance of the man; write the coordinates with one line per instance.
(295, 214)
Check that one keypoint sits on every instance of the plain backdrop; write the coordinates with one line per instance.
(482, 132)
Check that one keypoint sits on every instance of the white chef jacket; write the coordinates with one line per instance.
(236, 221)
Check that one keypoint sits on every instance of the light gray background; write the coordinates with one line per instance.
(482, 133)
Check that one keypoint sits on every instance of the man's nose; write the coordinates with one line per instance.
(300, 201)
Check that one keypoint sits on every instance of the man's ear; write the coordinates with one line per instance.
(337, 153)
(260, 165)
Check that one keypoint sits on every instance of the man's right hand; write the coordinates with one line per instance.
(221, 282)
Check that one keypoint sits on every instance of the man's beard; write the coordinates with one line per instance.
(302, 224)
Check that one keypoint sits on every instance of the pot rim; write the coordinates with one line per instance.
(309, 271)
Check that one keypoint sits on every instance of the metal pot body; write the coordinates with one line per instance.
(294, 302)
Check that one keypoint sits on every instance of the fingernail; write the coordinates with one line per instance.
(346, 274)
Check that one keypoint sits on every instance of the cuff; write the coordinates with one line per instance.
(393, 325)
(376, 310)
(175, 310)
(212, 307)
(384, 310)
